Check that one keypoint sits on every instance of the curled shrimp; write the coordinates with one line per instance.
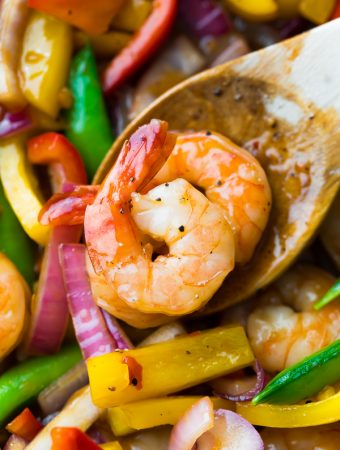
(230, 177)
(199, 244)
(325, 437)
(14, 298)
(285, 328)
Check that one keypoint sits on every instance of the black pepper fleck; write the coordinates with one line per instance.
(187, 352)
(166, 184)
(111, 388)
(208, 133)
(134, 381)
(181, 228)
(218, 92)
(122, 211)
(218, 183)
(158, 199)
(132, 179)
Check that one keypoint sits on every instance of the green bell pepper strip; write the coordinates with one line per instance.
(24, 382)
(330, 295)
(14, 242)
(89, 127)
(304, 379)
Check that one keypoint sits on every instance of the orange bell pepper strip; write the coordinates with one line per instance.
(25, 425)
(144, 43)
(94, 17)
(65, 162)
(64, 438)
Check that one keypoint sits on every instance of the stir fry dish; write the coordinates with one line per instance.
(154, 290)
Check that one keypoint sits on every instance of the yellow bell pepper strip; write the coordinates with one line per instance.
(160, 369)
(132, 15)
(111, 446)
(257, 11)
(13, 16)
(21, 189)
(144, 43)
(104, 45)
(288, 8)
(316, 11)
(92, 16)
(331, 294)
(304, 379)
(45, 61)
(292, 416)
(151, 413)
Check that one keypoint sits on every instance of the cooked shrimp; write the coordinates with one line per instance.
(230, 177)
(14, 297)
(199, 240)
(285, 328)
(330, 231)
(324, 437)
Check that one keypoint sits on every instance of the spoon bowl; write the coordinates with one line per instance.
(283, 105)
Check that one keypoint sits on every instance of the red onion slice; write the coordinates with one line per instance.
(14, 123)
(198, 419)
(230, 432)
(92, 335)
(248, 395)
(119, 336)
(204, 17)
(50, 313)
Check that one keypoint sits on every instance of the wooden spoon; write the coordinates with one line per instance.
(286, 98)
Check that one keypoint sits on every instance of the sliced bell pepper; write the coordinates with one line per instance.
(66, 164)
(89, 128)
(13, 16)
(331, 294)
(152, 413)
(65, 438)
(304, 379)
(106, 45)
(316, 11)
(25, 425)
(292, 416)
(258, 11)
(25, 381)
(14, 242)
(144, 43)
(45, 61)
(167, 367)
(21, 189)
(114, 445)
(132, 15)
(94, 17)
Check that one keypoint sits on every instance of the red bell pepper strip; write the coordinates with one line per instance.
(94, 17)
(336, 12)
(64, 438)
(144, 43)
(66, 164)
(25, 425)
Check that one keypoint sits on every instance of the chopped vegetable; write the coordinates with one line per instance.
(64, 438)
(88, 124)
(15, 123)
(121, 339)
(94, 17)
(144, 43)
(21, 189)
(111, 446)
(260, 10)
(79, 412)
(167, 367)
(25, 425)
(106, 45)
(20, 250)
(125, 419)
(231, 431)
(15, 443)
(54, 396)
(292, 416)
(248, 395)
(23, 382)
(132, 15)
(197, 419)
(332, 294)
(93, 336)
(336, 11)
(13, 15)
(304, 379)
(45, 60)
(316, 11)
